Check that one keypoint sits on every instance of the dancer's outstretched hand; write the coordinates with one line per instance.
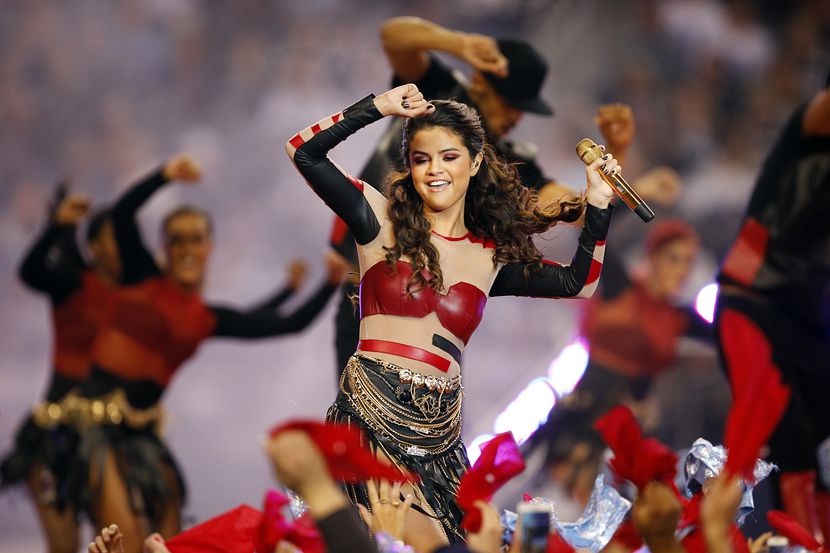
(110, 540)
(72, 209)
(182, 168)
(403, 101)
(297, 272)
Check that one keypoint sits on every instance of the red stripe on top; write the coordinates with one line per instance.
(593, 273)
(549, 262)
(356, 182)
(297, 141)
(747, 254)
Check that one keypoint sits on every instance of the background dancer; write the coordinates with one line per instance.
(778, 274)
(78, 293)
(453, 229)
(154, 323)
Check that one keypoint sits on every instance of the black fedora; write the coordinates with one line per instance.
(526, 73)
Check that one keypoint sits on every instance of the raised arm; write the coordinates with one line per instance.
(231, 323)
(296, 277)
(53, 264)
(407, 42)
(136, 260)
(580, 278)
(344, 194)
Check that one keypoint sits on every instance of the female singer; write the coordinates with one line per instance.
(453, 229)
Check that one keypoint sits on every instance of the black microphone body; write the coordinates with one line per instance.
(588, 152)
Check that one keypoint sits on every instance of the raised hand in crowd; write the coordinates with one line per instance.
(72, 209)
(717, 511)
(182, 168)
(389, 509)
(655, 515)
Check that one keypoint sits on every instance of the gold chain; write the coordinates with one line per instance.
(381, 413)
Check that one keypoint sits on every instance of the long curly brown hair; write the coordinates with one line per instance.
(497, 206)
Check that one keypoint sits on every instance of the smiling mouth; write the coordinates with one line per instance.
(438, 185)
(188, 262)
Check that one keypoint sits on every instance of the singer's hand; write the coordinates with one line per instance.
(599, 192)
(403, 101)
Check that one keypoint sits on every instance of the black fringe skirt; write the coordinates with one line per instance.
(47, 451)
(144, 462)
(417, 428)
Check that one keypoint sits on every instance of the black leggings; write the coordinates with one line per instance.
(802, 352)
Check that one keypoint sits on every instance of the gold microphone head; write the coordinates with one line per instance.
(588, 151)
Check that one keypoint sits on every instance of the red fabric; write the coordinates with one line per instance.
(342, 447)
(694, 541)
(150, 330)
(759, 397)
(788, 527)
(383, 292)
(230, 532)
(500, 460)
(273, 527)
(628, 536)
(75, 322)
(744, 260)
(635, 458)
(405, 350)
(634, 332)
(338, 231)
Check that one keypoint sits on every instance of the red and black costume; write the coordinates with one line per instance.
(414, 419)
(78, 297)
(439, 82)
(632, 336)
(777, 273)
(150, 328)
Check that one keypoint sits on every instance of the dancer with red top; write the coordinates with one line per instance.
(452, 230)
(777, 273)
(78, 292)
(123, 471)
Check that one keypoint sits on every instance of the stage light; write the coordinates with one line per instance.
(567, 369)
(528, 411)
(705, 301)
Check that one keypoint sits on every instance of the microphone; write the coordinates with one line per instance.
(588, 152)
